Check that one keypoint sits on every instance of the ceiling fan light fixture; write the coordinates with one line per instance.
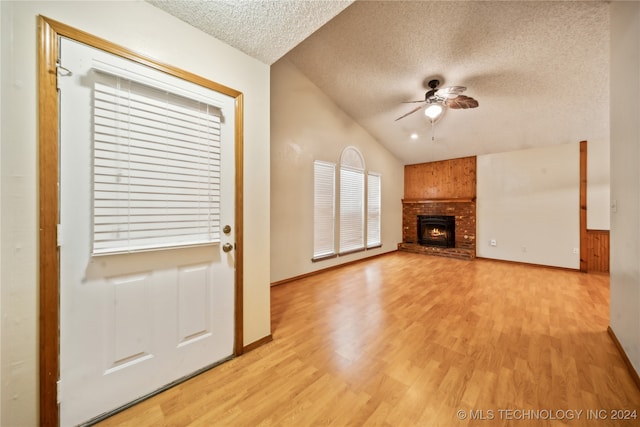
(433, 111)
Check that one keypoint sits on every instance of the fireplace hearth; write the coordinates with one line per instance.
(437, 230)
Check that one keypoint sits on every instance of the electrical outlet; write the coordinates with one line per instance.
(493, 242)
(575, 251)
(524, 249)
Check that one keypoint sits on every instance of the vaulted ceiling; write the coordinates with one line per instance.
(539, 69)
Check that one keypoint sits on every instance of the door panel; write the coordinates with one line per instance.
(132, 323)
(128, 319)
(193, 304)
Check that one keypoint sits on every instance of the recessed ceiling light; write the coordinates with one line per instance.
(414, 136)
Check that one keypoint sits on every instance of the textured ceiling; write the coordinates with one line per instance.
(540, 70)
(263, 29)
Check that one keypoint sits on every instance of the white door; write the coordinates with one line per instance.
(133, 322)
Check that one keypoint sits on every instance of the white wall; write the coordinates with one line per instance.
(145, 29)
(307, 126)
(528, 202)
(625, 177)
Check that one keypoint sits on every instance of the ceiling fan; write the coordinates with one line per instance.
(450, 96)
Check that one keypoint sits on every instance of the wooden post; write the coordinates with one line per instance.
(583, 206)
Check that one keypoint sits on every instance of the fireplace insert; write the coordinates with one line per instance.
(437, 230)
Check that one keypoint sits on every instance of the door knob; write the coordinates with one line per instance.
(227, 247)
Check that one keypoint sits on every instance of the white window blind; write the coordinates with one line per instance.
(351, 209)
(156, 168)
(324, 184)
(373, 210)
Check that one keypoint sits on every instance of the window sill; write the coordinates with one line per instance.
(353, 251)
(322, 258)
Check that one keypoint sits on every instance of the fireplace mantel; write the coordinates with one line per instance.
(456, 200)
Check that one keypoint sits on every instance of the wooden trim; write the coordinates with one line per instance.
(239, 220)
(259, 343)
(49, 32)
(583, 206)
(456, 200)
(598, 251)
(528, 264)
(48, 218)
(64, 30)
(625, 358)
(333, 267)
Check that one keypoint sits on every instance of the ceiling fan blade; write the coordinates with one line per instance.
(410, 112)
(461, 101)
(412, 102)
(450, 91)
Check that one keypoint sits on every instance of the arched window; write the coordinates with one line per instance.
(351, 206)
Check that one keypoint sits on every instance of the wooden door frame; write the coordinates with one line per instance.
(49, 32)
(583, 206)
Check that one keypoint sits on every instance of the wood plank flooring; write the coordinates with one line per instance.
(410, 340)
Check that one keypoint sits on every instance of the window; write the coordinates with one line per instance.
(351, 209)
(324, 184)
(373, 210)
(358, 217)
(156, 168)
(351, 200)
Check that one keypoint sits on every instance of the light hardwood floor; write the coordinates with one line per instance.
(411, 340)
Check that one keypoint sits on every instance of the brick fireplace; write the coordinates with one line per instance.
(464, 212)
(444, 188)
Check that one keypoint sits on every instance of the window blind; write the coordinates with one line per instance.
(351, 209)
(323, 209)
(156, 168)
(373, 210)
